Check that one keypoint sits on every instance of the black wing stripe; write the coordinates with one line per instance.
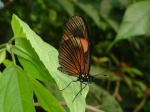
(75, 27)
(67, 54)
(82, 59)
(67, 63)
(67, 49)
(75, 43)
(80, 54)
(73, 24)
(69, 68)
(71, 46)
(74, 54)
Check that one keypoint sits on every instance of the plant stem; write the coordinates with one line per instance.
(141, 104)
(8, 47)
(13, 38)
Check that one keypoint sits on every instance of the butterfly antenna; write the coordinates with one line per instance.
(104, 73)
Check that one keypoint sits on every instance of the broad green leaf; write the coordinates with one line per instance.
(68, 6)
(15, 92)
(108, 102)
(90, 10)
(29, 59)
(31, 62)
(2, 55)
(45, 98)
(49, 56)
(136, 22)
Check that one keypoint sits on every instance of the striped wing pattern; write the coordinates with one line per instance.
(74, 49)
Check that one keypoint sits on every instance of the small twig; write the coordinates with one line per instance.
(116, 89)
(137, 109)
(9, 42)
(88, 107)
(13, 57)
(116, 92)
(94, 109)
(13, 38)
(8, 48)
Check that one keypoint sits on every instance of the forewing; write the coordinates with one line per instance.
(74, 54)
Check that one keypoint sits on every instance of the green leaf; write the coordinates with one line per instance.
(90, 10)
(7, 62)
(30, 61)
(142, 86)
(28, 57)
(15, 92)
(49, 56)
(45, 98)
(128, 81)
(137, 71)
(2, 55)
(68, 6)
(135, 22)
(108, 102)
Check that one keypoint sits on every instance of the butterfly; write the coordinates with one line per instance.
(74, 52)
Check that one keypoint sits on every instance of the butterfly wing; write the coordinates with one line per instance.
(74, 53)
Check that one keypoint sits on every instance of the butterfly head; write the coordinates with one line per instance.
(86, 78)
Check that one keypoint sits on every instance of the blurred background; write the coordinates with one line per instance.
(125, 89)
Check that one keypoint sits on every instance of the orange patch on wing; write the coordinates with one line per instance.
(84, 44)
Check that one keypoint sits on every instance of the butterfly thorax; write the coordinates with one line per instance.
(85, 78)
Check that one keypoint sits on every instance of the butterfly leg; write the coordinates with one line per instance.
(80, 88)
(69, 84)
(79, 92)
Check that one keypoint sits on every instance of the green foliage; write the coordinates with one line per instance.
(106, 99)
(44, 97)
(15, 91)
(48, 55)
(135, 21)
(119, 35)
